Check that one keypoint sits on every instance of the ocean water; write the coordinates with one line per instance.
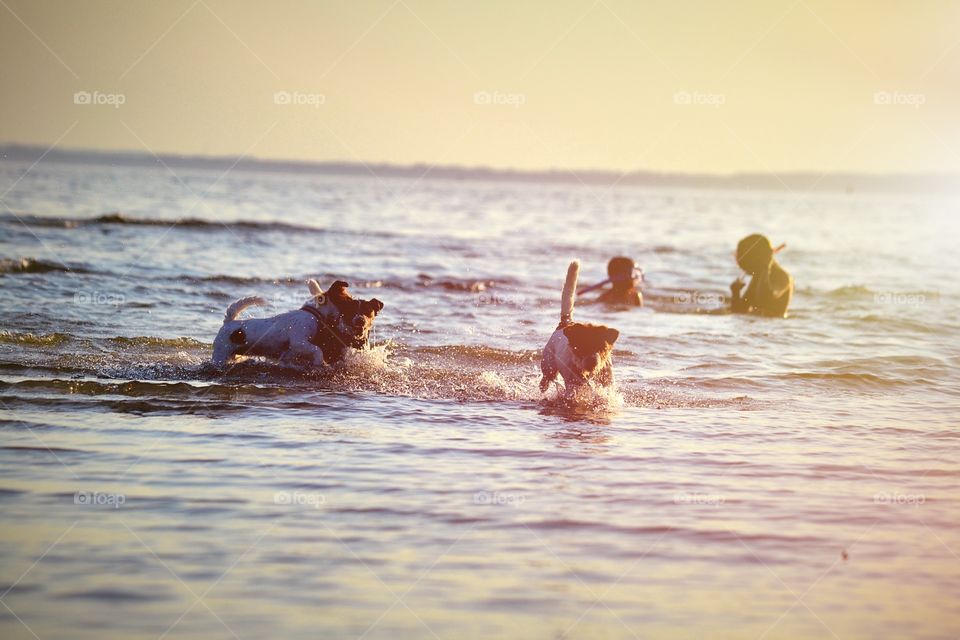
(748, 478)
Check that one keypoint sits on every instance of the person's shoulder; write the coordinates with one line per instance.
(780, 277)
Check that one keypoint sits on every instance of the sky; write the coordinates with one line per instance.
(680, 86)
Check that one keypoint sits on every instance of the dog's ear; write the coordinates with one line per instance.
(314, 287)
(338, 288)
(611, 335)
(377, 305)
(576, 333)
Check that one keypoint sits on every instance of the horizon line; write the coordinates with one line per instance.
(806, 180)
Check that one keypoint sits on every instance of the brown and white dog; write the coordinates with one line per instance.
(319, 332)
(578, 351)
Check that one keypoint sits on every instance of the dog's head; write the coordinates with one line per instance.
(591, 344)
(356, 316)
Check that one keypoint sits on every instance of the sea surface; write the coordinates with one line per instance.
(748, 478)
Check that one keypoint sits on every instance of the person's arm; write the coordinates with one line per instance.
(737, 303)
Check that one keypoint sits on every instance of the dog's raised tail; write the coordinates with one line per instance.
(237, 307)
(569, 291)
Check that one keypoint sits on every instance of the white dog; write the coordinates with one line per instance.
(317, 333)
(578, 351)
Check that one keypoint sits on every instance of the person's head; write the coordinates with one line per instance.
(754, 253)
(621, 270)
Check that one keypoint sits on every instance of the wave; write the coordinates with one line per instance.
(34, 265)
(481, 354)
(227, 279)
(849, 291)
(58, 339)
(34, 339)
(423, 280)
(151, 341)
(861, 292)
(898, 324)
(117, 218)
(148, 374)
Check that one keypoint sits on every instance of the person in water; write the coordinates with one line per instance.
(623, 277)
(770, 288)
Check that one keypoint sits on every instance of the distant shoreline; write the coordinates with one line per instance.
(933, 183)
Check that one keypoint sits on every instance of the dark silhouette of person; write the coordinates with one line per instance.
(771, 287)
(623, 277)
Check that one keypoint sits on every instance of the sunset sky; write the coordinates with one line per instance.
(765, 85)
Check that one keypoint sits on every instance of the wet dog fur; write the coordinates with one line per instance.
(336, 322)
(580, 352)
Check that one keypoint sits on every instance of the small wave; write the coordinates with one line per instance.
(467, 285)
(33, 339)
(138, 389)
(860, 380)
(850, 291)
(33, 265)
(114, 596)
(166, 374)
(860, 292)
(239, 280)
(480, 354)
(897, 323)
(117, 218)
(151, 341)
